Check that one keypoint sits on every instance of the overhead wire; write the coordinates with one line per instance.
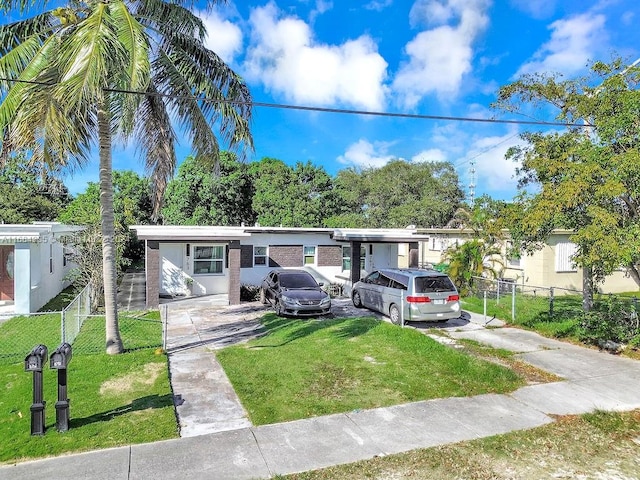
(325, 109)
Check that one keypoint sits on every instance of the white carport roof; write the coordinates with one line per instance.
(378, 235)
(188, 233)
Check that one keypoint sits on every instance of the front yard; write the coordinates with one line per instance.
(306, 368)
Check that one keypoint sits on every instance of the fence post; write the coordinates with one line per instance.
(513, 302)
(484, 309)
(165, 319)
(551, 302)
(63, 332)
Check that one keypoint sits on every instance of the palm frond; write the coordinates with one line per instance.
(164, 18)
(155, 139)
(229, 99)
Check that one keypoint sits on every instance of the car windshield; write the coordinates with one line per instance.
(297, 280)
(434, 284)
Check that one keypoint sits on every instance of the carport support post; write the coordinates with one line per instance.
(355, 262)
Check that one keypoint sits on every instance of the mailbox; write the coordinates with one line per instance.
(36, 360)
(61, 357)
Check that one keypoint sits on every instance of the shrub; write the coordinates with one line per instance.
(249, 293)
(614, 320)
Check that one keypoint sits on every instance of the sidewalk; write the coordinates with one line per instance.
(592, 380)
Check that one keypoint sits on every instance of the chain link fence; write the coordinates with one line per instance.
(76, 325)
(506, 299)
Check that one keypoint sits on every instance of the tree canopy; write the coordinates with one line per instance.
(586, 177)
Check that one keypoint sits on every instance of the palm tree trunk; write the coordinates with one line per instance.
(113, 340)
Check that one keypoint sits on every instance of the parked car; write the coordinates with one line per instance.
(413, 294)
(294, 292)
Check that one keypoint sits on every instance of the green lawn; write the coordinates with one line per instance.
(305, 368)
(114, 400)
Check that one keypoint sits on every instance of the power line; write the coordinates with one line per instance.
(324, 109)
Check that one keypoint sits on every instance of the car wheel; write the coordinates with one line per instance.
(278, 308)
(394, 314)
(263, 296)
(357, 301)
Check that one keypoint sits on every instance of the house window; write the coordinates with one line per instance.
(437, 244)
(346, 257)
(260, 256)
(309, 255)
(513, 255)
(208, 259)
(50, 258)
(564, 257)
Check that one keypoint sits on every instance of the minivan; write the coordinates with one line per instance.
(409, 295)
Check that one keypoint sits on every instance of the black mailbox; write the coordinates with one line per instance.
(37, 359)
(61, 357)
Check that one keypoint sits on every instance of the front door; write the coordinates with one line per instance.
(6, 272)
(171, 271)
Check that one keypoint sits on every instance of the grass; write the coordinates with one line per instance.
(596, 445)
(114, 400)
(533, 313)
(306, 368)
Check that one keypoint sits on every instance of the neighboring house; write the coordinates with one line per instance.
(199, 260)
(549, 267)
(33, 265)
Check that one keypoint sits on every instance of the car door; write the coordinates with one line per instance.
(366, 294)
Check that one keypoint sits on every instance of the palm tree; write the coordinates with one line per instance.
(67, 78)
(473, 258)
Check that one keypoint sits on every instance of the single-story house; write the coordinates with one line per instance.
(33, 264)
(199, 260)
(549, 267)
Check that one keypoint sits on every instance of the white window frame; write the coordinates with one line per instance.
(564, 251)
(265, 256)
(363, 257)
(305, 255)
(194, 250)
(438, 244)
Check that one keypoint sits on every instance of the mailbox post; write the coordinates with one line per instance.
(60, 359)
(34, 362)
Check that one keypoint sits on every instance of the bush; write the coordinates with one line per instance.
(249, 293)
(612, 320)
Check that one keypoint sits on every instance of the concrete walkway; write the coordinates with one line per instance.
(593, 380)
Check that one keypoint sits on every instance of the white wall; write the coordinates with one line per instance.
(176, 267)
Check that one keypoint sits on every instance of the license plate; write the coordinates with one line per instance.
(438, 302)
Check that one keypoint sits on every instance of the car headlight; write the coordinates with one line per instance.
(326, 300)
(286, 299)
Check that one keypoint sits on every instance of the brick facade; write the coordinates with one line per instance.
(329, 256)
(246, 256)
(152, 269)
(234, 260)
(285, 256)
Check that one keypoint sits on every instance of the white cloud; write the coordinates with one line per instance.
(574, 42)
(493, 170)
(378, 5)
(439, 58)
(223, 37)
(430, 155)
(536, 8)
(365, 154)
(286, 58)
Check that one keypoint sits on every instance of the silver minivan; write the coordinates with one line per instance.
(412, 295)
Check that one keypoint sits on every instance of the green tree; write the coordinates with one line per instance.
(586, 177)
(401, 193)
(132, 206)
(200, 194)
(302, 196)
(473, 258)
(66, 74)
(29, 194)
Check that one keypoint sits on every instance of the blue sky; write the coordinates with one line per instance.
(430, 57)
